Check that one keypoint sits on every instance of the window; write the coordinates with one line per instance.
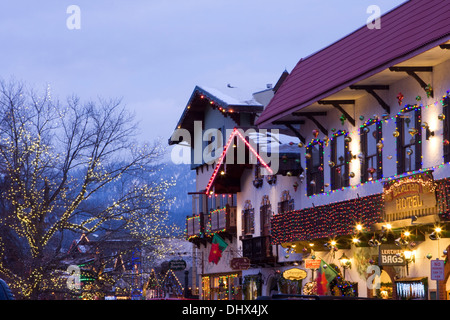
(314, 172)
(286, 204)
(217, 201)
(371, 150)
(409, 136)
(248, 219)
(265, 214)
(445, 117)
(339, 161)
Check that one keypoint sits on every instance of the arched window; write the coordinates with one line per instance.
(248, 219)
(265, 211)
(286, 204)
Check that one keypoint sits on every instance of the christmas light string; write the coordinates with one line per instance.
(383, 119)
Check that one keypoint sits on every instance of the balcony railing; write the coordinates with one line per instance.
(259, 250)
(204, 225)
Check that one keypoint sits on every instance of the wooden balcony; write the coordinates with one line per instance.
(223, 220)
(201, 227)
(259, 250)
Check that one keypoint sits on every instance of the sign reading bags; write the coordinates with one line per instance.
(390, 255)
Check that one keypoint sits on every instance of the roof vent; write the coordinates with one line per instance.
(269, 86)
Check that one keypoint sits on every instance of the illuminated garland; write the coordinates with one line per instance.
(385, 119)
(443, 198)
(325, 221)
(339, 218)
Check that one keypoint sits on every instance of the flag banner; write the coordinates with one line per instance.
(220, 241)
(325, 275)
(215, 254)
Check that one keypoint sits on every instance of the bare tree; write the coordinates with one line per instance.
(70, 166)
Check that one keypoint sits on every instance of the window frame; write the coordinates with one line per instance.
(402, 146)
(265, 214)
(366, 159)
(446, 127)
(248, 220)
(345, 165)
(315, 173)
(286, 203)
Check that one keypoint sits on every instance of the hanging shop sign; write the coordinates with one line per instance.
(294, 274)
(403, 197)
(177, 265)
(312, 263)
(240, 263)
(390, 255)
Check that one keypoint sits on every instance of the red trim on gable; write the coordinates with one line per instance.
(224, 153)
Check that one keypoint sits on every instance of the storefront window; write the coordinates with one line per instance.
(290, 286)
(221, 287)
(409, 147)
(252, 287)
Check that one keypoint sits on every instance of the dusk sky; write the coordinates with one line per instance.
(153, 53)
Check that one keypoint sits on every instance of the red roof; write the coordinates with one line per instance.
(411, 28)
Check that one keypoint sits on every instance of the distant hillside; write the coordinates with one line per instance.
(184, 179)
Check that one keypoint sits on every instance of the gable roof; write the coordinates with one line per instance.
(220, 161)
(408, 30)
(203, 97)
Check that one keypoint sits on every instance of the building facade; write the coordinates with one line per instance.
(374, 127)
(363, 174)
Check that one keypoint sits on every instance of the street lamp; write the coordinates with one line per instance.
(345, 262)
(410, 256)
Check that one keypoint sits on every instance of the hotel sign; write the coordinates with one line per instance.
(415, 192)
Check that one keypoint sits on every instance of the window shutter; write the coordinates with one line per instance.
(380, 152)
(446, 112)
(243, 222)
(400, 151)
(418, 158)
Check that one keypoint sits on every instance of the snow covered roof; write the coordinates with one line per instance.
(280, 143)
(226, 99)
(205, 97)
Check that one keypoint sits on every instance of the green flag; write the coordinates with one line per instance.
(329, 271)
(222, 243)
(325, 274)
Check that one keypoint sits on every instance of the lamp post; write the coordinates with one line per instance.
(345, 263)
(410, 256)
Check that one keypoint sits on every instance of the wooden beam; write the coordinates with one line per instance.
(284, 122)
(313, 113)
(370, 89)
(296, 133)
(411, 71)
(337, 105)
(319, 125)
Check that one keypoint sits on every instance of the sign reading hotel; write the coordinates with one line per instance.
(404, 195)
